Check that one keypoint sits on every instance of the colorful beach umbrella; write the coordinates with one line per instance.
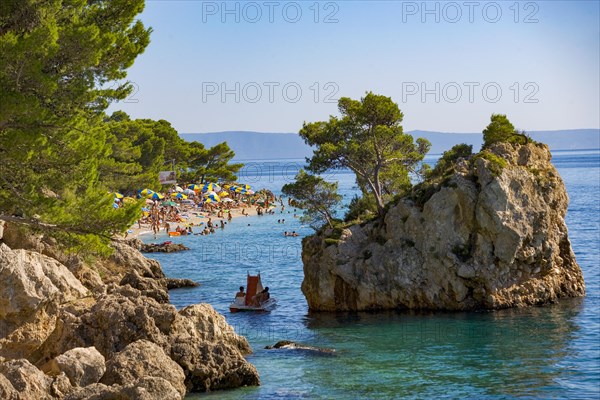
(189, 191)
(168, 203)
(156, 196)
(178, 189)
(178, 196)
(207, 187)
(118, 195)
(194, 187)
(214, 197)
(224, 193)
(129, 200)
(145, 192)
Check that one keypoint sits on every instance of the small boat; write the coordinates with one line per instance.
(253, 286)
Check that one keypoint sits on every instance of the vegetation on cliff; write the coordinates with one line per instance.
(369, 140)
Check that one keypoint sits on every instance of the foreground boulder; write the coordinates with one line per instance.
(116, 339)
(197, 338)
(147, 388)
(144, 359)
(492, 235)
(83, 366)
(34, 287)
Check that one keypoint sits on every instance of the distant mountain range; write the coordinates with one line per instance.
(265, 146)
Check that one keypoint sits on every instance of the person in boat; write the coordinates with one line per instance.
(261, 297)
(240, 297)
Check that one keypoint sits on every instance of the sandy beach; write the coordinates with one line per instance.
(193, 217)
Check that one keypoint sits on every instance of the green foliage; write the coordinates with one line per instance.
(57, 57)
(331, 241)
(446, 163)
(501, 129)
(368, 139)
(496, 163)
(315, 196)
(141, 148)
(210, 165)
(361, 208)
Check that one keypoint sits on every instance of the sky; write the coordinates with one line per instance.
(269, 66)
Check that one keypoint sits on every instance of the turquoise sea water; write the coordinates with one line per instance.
(540, 352)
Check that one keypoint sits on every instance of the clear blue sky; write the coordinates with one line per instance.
(442, 62)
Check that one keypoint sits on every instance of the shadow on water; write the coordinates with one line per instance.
(520, 352)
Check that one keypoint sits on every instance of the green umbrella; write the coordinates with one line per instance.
(168, 203)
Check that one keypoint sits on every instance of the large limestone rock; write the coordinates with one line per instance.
(16, 237)
(197, 337)
(484, 240)
(55, 316)
(83, 366)
(127, 257)
(21, 380)
(155, 288)
(148, 388)
(143, 359)
(210, 351)
(33, 288)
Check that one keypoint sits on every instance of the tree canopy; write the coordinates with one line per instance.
(62, 62)
(57, 56)
(500, 129)
(314, 195)
(368, 139)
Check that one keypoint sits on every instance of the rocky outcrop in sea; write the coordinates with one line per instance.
(492, 235)
(71, 329)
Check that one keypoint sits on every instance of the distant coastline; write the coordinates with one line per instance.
(249, 145)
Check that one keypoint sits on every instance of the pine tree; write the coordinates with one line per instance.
(57, 58)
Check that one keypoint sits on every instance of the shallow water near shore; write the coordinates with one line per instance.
(538, 352)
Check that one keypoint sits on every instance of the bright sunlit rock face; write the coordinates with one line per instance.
(113, 340)
(489, 237)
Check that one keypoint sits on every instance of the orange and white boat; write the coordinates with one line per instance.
(253, 286)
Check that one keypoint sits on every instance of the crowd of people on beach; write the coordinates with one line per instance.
(193, 211)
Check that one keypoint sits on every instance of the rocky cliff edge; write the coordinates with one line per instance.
(71, 329)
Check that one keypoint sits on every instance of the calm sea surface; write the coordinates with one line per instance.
(541, 352)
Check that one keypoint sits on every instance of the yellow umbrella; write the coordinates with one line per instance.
(178, 196)
(224, 193)
(156, 196)
(129, 200)
(117, 195)
(213, 197)
(145, 192)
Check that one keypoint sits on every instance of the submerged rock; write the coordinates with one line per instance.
(176, 283)
(485, 239)
(287, 344)
(166, 247)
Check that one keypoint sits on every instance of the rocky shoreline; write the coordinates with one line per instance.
(491, 235)
(74, 329)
